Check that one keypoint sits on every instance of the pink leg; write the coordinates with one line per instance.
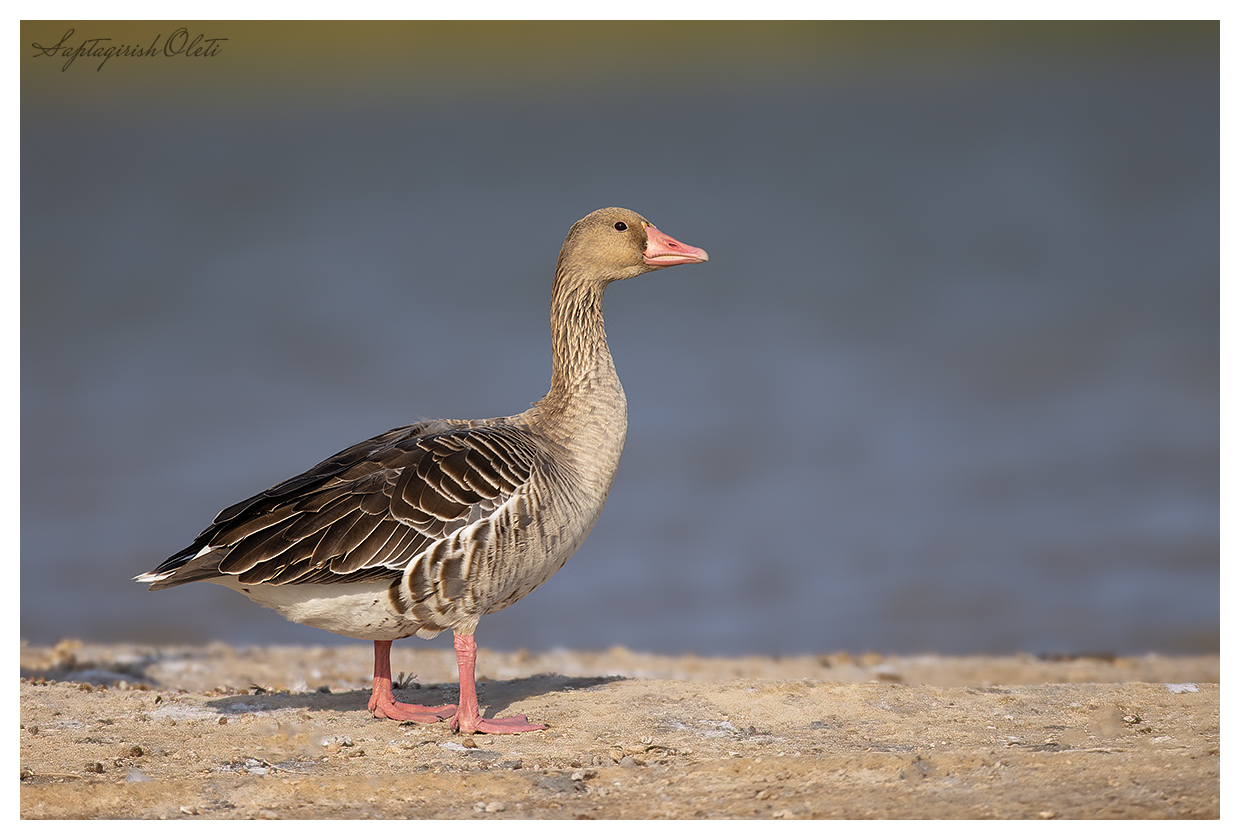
(468, 719)
(383, 702)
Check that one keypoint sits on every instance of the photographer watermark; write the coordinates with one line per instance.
(179, 43)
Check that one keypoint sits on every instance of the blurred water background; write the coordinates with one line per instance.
(950, 381)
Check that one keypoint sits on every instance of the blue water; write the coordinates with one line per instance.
(948, 383)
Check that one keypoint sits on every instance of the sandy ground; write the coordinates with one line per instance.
(272, 733)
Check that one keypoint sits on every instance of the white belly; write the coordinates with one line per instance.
(357, 610)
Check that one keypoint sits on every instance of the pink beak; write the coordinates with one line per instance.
(662, 250)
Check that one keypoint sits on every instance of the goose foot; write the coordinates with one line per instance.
(388, 708)
(496, 726)
(468, 719)
(383, 703)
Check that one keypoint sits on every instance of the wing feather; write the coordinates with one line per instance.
(366, 512)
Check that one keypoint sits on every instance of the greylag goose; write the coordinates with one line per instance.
(431, 526)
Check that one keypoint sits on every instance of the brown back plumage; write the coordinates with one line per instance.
(366, 512)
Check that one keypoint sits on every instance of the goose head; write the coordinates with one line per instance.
(615, 244)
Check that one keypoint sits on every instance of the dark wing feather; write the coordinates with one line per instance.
(366, 512)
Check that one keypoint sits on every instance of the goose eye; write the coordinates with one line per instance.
(621, 226)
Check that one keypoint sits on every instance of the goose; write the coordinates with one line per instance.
(428, 527)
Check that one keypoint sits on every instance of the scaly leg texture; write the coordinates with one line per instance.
(383, 703)
(468, 719)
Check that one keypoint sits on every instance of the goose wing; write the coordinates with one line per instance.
(366, 512)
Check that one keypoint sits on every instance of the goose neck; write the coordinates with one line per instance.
(583, 377)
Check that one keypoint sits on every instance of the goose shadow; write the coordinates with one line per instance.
(495, 697)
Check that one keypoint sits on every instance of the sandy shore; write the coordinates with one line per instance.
(221, 733)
